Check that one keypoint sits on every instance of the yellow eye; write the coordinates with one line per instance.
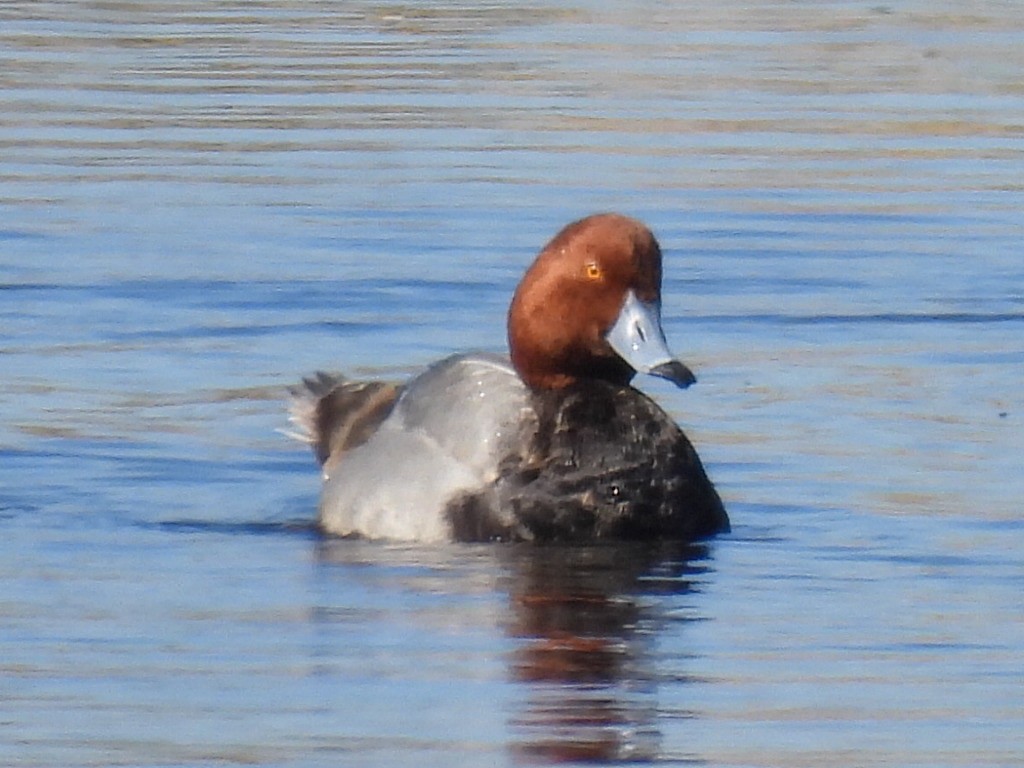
(593, 270)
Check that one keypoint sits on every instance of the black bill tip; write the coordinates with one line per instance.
(675, 372)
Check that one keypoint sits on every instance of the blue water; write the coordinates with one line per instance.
(202, 202)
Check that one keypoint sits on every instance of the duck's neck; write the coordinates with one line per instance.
(566, 373)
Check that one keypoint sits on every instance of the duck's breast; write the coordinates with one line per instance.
(611, 464)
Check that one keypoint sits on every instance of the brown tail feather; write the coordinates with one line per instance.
(334, 414)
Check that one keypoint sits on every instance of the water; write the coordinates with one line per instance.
(201, 202)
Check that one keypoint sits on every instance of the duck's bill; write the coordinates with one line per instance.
(638, 339)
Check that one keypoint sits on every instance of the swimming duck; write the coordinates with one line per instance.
(550, 444)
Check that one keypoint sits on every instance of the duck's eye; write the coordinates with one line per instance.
(593, 270)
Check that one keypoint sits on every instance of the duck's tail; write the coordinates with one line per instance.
(333, 414)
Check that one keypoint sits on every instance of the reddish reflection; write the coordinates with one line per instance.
(585, 620)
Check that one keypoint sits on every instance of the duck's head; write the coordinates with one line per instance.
(589, 307)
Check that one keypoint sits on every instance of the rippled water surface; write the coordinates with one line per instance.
(201, 202)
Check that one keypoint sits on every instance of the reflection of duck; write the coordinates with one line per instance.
(584, 659)
(555, 446)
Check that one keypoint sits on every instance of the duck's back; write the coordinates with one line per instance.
(447, 435)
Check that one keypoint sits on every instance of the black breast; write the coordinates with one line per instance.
(606, 463)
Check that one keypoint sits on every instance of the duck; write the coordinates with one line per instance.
(549, 444)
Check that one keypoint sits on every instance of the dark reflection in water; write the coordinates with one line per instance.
(592, 647)
(586, 626)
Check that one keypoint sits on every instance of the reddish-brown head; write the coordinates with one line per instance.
(589, 308)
